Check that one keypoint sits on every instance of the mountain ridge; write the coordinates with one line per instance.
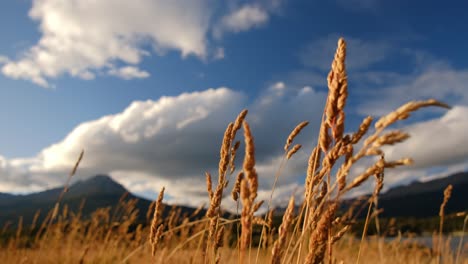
(417, 199)
(96, 192)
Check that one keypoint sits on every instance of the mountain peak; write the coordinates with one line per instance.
(101, 179)
(101, 183)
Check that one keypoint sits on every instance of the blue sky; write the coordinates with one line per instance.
(68, 67)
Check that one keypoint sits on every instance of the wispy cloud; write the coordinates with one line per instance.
(129, 72)
(3, 59)
(242, 19)
(361, 54)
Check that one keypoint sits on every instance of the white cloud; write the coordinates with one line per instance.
(242, 19)
(172, 142)
(437, 142)
(84, 38)
(445, 84)
(81, 37)
(438, 147)
(219, 53)
(129, 72)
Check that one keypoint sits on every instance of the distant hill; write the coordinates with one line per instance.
(5, 196)
(418, 199)
(96, 192)
(423, 199)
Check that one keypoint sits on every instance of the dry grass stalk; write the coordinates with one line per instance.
(404, 111)
(237, 185)
(19, 229)
(209, 184)
(232, 166)
(391, 138)
(246, 217)
(270, 218)
(319, 238)
(155, 226)
(337, 94)
(324, 137)
(224, 153)
(460, 243)
(219, 239)
(73, 172)
(279, 245)
(34, 221)
(259, 221)
(197, 211)
(372, 201)
(293, 151)
(374, 169)
(150, 211)
(238, 123)
(340, 234)
(257, 206)
(156, 239)
(249, 161)
(83, 255)
(213, 228)
(447, 195)
(215, 201)
(339, 70)
(400, 162)
(316, 211)
(333, 79)
(312, 166)
(248, 191)
(294, 133)
(363, 128)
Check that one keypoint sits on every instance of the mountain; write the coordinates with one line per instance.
(423, 199)
(418, 199)
(97, 192)
(5, 196)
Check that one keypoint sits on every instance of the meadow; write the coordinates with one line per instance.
(313, 229)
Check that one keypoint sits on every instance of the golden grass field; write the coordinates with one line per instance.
(316, 233)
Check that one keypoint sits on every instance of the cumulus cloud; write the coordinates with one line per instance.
(80, 37)
(242, 19)
(83, 39)
(437, 146)
(446, 84)
(173, 141)
(437, 142)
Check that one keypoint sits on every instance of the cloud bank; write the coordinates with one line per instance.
(172, 141)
